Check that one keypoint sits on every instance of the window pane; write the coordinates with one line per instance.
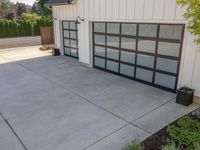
(66, 25)
(73, 35)
(144, 74)
(113, 54)
(72, 25)
(127, 70)
(67, 50)
(128, 57)
(165, 80)
(129, 29)
(113, 28)
(74, 52)
(171, 31)
(66, 33)
(99, 62)
(147, 46)
(112, 66)
(66, 42)
(100, 51)
(73, 43)
(168, 65)
(99, 27)
(128, 43)
(113, 41)
(147, 30)
(100, 39)
(145, 60)
(170, 49)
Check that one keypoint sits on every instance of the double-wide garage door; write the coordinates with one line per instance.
(149, 53)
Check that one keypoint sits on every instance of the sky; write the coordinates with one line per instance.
(30, 2)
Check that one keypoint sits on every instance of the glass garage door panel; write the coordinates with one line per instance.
(145, 75)
(99, 62)
(149, 53)
(127, 70)
(169, 49)
(165, 80)
(113, 28)
(100, 27)
(100, 51)
(128, 57)
(148, 46)
(148, 30)
(171, 31)
(145, 60)
(128, 43)
(129, 29)
(99, 39)
(168, 65)
(67, 51)
(113, 41)
(70, 39)
(112, 66)
(113, 54)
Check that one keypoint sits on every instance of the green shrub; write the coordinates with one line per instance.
(170, 147)
(186, 132)
(135, 145)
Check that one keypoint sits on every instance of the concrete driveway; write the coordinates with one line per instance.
(54, 103)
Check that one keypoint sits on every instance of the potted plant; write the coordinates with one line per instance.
(185, 96)
(56, 52)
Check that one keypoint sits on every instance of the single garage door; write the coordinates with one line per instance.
(149, 53)
(70, 38)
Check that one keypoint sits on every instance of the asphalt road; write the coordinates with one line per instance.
(19, 42)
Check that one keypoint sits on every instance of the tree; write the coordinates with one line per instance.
(44, 11)
(21, 8)
(6, 7)
(193, 15)
(32, 17)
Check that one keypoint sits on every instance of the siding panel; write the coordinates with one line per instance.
(130, 9)
(102, 9)
(122, 9)
(109, 9)
(148, 9)
(158, 9)
(139, 9)
(115, 10)
(170, 9)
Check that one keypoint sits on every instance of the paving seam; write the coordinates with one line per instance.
(105, 137)
(13, 131)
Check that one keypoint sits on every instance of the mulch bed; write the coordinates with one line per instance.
(157, 140)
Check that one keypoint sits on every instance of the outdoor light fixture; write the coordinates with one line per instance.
(78, 20)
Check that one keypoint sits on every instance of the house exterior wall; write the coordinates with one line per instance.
(156, 11)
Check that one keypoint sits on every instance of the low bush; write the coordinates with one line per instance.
(135, 145)
(186, 132)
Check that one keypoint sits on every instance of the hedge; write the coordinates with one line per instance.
(10, 28)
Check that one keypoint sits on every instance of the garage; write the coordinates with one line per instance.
(70, 38)
(146, 52)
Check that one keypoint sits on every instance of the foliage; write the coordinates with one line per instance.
(193, 14)
(21, 8)
(135, 145)
(9, 28)
(32, 17)
(186, 133)
(6, 8)
(44, 21)
(170, 147)
(42, 10)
